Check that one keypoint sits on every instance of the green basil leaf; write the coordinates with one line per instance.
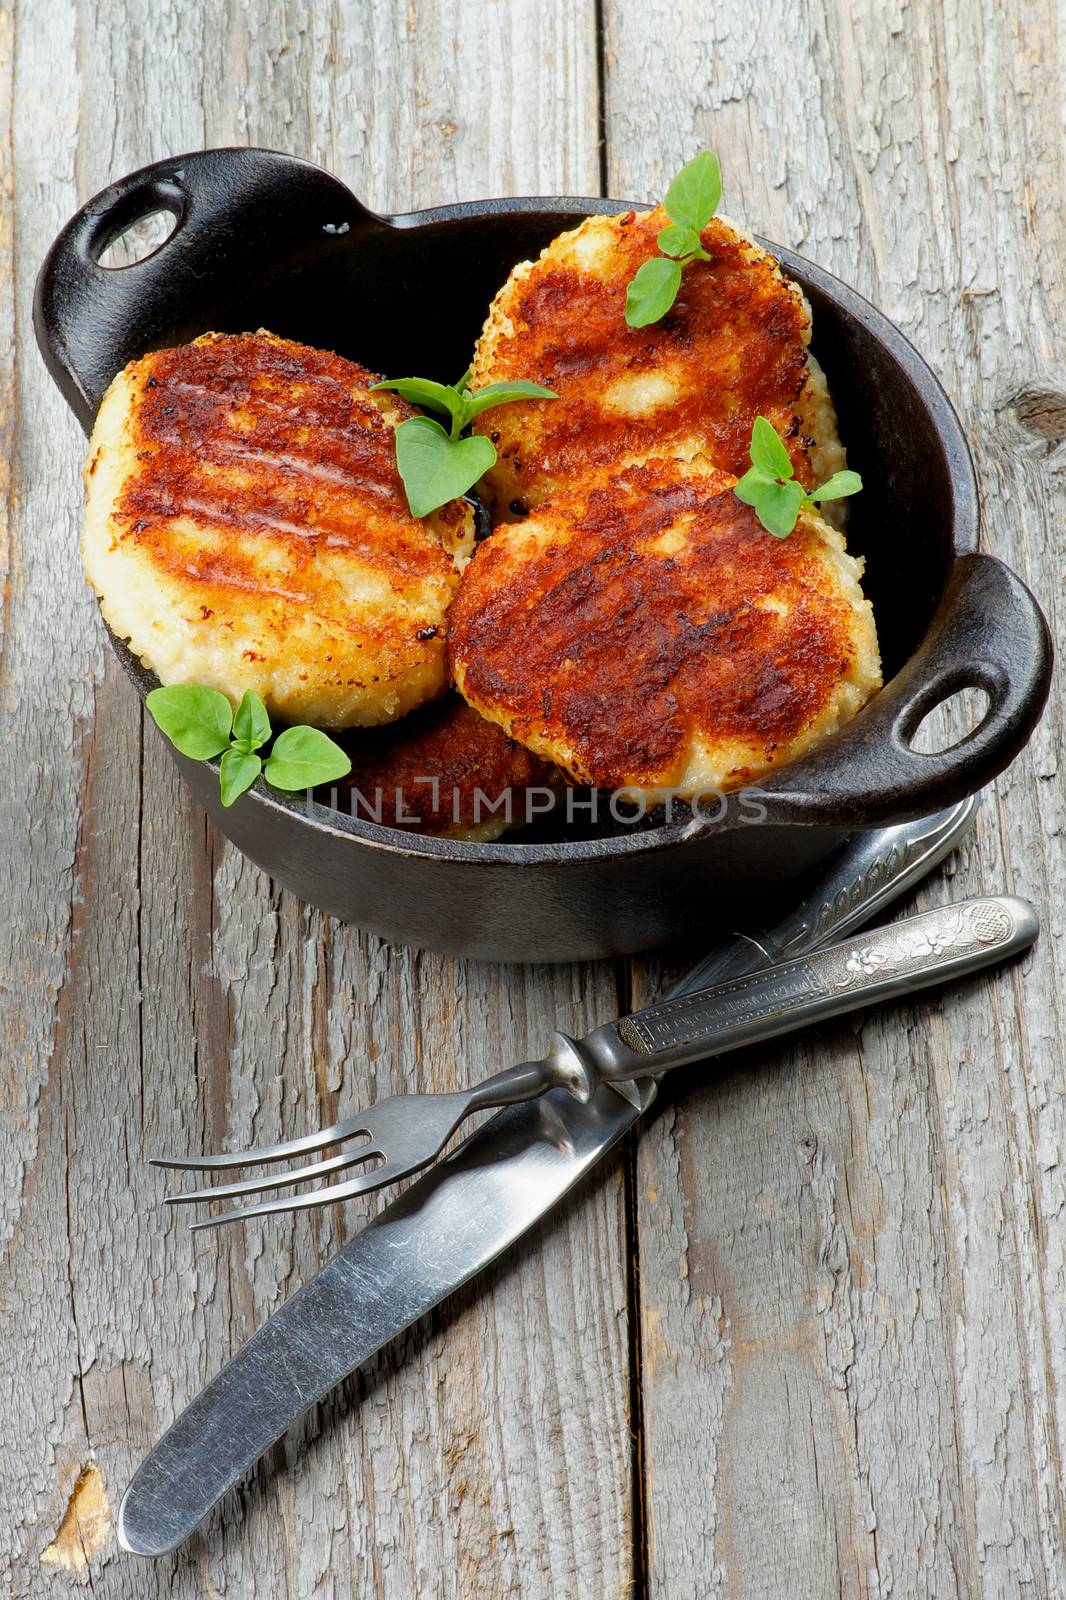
(752, 485)
(463, 382)
(676, 241)
(777, 506)
(237, 771)
(196, 720)
(652, 291)
(837, 487)
(424, 392)
(436, 468)
(251, 724)
(302, 758)
(692, 199)
(768, 451)
(503, 394)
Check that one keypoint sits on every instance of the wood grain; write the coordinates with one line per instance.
(851, 1254)
(163, 993)
(845, 1260)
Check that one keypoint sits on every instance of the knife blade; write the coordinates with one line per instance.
(438, 1234)
(461, 1215)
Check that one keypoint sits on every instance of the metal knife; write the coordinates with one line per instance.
(450, 1224)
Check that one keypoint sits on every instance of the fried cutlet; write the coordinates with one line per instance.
(246, 528)
(643, 631)
(445, 770)
(733, 346)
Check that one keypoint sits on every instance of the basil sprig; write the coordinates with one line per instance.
(770, 487)
(691, 201)
(201, 723)
(435, 463)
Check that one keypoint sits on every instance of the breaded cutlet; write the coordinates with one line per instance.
(733, 346)
(644, 632)
(445, 770)
(246, 528)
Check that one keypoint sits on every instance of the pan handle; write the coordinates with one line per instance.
(988, 633)
(230, 207)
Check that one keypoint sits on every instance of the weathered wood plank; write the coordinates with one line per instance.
(852, 1265)
(852, 1257)
(164, 993)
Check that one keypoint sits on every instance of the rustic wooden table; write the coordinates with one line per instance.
(806, 1336)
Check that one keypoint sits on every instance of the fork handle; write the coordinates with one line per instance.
(564, 1067)
(899, 959)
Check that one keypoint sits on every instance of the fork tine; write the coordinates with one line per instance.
(306, 1145)
(274, 1180)
(326, 1195)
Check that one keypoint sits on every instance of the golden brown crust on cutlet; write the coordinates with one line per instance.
(733, 346)
(307, 449)
(246, 527)
(646, 632)
(446, 766)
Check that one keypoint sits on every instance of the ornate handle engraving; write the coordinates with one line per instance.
(918, 944)
(889, 866)
(890, 961)
(692, 1018)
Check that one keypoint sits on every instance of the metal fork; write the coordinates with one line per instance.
(406, 1132)
(402, 1133)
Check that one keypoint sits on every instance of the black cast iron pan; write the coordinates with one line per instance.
(264, 240)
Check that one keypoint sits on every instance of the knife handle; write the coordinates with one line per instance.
(898, 959)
